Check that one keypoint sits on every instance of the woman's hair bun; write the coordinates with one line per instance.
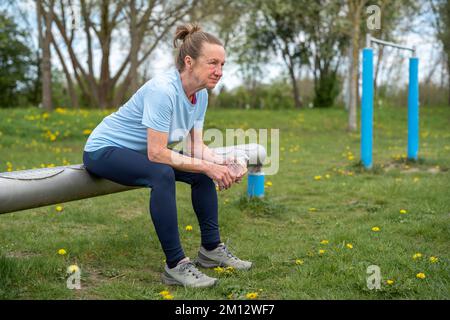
(182, 32)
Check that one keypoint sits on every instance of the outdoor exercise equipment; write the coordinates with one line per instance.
(26, 189)
(367, 102)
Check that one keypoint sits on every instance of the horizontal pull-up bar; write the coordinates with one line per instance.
(370, 39)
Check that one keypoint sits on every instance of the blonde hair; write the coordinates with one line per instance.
(192, 38)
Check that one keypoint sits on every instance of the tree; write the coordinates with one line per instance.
(354, 13)
(324, 33)
(145, 22)
(275, 29)
(44, 22)
(15, 59)
(441, 9)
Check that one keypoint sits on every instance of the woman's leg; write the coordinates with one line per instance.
(204, 201)
(132, 168)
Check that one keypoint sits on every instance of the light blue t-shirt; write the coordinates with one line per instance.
(160, 104)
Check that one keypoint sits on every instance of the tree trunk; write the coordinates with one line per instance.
(354, 85)
(348, 91)
(448, 74)
(377, 70)
(295, 89)
(70, 87)
(134, 50)
(355, 14)
(104, 91)
(44, 42)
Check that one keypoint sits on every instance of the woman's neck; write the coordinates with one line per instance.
(189, 83)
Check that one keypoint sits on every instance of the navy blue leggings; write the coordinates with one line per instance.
(132, 168)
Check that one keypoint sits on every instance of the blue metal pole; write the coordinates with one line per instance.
(413, 109)
(367, 108)
(255, 184)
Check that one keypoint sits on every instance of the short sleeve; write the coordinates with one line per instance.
(199, 121)
(158, 108)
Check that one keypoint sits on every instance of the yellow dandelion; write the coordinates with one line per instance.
(299, 262)
(324, 242)
(252, 295)
(327, 176)
(62, 252)
(321, 251)
(164, 293)
(59, 208)
(60, 110)
(73, 268)
(390, 282)
(417, 256)
(312, 209)
(168, 297)
(351, 158)
(403, 211)
(230, 296)
(349, 246)
(188, 228)
(229, 270)
(268, 183)
(219, 269)
(317, 178)
(434, 259)
(376, 229)
(87, 132)
(420, 275)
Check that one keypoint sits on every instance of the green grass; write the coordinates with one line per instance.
(112, 239)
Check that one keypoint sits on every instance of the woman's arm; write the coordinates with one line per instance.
(197, 148)
(158, 152)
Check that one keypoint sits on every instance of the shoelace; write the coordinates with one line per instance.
(190, 267)
(228, 253)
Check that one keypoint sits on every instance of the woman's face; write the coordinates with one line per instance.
(207, 68)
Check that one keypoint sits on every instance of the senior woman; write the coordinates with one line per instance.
(130, 147)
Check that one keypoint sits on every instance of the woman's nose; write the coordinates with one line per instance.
(218, 71)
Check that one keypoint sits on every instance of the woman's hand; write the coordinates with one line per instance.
(221, 174)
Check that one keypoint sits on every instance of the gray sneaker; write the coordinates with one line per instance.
(186, 274)
(222, 257)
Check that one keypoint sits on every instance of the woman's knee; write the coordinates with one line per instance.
(163, 174)
(203, 179)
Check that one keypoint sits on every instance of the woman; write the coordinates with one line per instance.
(130, 147)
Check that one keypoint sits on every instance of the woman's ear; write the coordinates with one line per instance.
(188, 61)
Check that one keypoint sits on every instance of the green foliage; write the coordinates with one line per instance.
(276, 95)
(15, 61)
(326, 89)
